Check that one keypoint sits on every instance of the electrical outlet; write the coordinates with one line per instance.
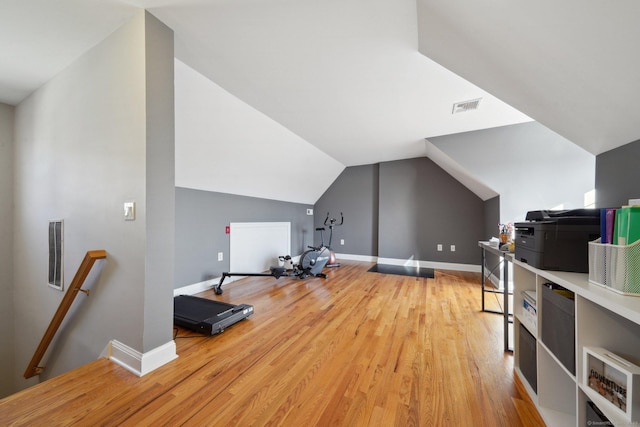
(453, 248)
(439, 247)
(220, 256)
(342, 242)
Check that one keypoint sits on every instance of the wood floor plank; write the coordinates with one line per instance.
(356, 349)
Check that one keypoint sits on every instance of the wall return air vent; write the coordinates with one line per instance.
(460, 107)
(56, 237)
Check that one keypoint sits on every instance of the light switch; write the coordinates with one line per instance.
(129, 211)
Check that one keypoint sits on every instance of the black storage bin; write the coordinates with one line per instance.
(527, 354)
(595, 417)
(558, 325)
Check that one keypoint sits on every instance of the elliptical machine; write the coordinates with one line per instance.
(333, 262)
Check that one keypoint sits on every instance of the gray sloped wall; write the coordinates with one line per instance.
(402, 210)
(617, 176)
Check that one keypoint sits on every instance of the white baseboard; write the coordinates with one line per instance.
(496, 280)
(364, 258)
(196, 288)
(139, 363)
(412, 263)
(430, 264)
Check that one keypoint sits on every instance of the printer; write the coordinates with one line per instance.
(557, 239)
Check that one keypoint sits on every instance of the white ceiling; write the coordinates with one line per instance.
(571, 65)
(353, 78)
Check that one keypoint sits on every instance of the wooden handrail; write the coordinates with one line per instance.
(75, 285)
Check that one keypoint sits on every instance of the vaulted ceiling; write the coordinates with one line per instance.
(314, 87)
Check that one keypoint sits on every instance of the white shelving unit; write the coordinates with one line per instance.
(602, 319)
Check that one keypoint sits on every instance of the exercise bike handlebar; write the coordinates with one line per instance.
(332, 221)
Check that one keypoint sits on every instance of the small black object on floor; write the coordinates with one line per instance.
(402, 270)
(207, 316)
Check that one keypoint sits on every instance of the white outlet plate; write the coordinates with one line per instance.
(220, 256)
(309, 211)
(342, 241)
(453, 248)
(439, 247)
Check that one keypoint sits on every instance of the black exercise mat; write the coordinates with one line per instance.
(401, 270)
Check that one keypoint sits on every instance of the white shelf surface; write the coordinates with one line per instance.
(527, 324)
(552, 417)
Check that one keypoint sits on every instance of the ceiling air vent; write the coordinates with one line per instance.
(460, 107)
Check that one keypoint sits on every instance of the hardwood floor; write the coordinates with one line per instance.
(356, 349)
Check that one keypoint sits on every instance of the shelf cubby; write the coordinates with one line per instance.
(601, 318)
(556, 391)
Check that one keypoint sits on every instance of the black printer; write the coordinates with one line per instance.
(557, 240)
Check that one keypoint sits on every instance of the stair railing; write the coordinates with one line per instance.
(75, 286)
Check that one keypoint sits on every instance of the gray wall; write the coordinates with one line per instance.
(85, 143)
(530, 166)
(422, 206)
(6, 249)
(160, 184)
(406, 208)
(201, 218)
(355, 193)
(618, 176)
(491, 217)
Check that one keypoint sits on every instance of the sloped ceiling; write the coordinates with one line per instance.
(570, 65)
(345, 76)
(229, 147)
(344, 83)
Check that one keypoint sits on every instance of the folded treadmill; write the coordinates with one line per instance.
(207, 316)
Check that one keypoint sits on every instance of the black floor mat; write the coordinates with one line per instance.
(401, 270)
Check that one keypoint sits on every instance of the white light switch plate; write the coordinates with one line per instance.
(129, 211)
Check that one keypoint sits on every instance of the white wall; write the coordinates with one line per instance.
(85, 144)
(6, 246)
(224, 145)
(530, 166)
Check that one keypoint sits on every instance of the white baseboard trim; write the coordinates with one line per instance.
(196, 288)
(431, 264)
(139, 363)
(497, 281)
(364, 258)
(412, 263)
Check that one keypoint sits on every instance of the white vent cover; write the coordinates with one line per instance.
(460, 107)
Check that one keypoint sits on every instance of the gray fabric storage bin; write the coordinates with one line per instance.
(527, 355)
(558, 326)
